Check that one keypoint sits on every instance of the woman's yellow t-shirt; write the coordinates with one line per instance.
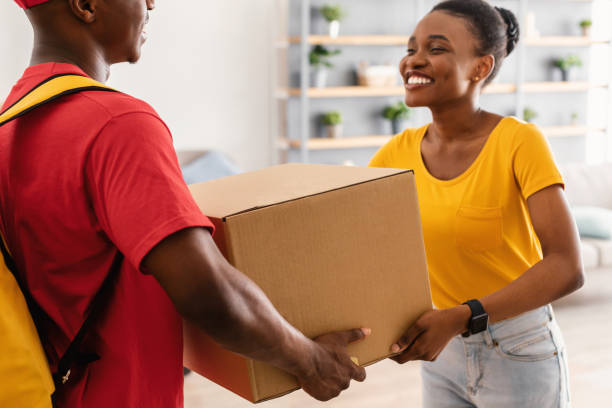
(477, 229)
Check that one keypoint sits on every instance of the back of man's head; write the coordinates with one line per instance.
(87, 31)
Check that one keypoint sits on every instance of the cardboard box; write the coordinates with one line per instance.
(333, 248)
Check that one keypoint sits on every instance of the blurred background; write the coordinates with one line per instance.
(247, 84)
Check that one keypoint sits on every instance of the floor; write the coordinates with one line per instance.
(585, 318)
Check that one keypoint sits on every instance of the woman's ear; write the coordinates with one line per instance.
(84, 10)
(484, 67)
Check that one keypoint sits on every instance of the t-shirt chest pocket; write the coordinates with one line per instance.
(479, 228)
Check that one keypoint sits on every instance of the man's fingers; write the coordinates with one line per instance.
(351, 336)
(359, 373)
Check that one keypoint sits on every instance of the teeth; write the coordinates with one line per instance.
(418, 80)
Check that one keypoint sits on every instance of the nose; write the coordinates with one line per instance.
(150, 4)
(410, 62)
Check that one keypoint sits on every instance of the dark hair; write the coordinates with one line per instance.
(495, 28)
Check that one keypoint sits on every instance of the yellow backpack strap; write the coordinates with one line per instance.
(49, 90)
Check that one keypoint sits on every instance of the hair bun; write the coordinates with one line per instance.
(512, 28)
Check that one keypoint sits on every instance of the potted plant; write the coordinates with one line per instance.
(529, 114)
(333, 14)
(585, 25)
(566, 64)
(397, 114)
(574, 119)
(319, 61)
(333, 124)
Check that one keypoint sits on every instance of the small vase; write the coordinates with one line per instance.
(586, 31)
(565, 75)
(398, 125)
(318, 77)
(334, 131)
(334, 28)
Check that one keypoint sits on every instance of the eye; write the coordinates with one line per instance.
(410, 51)
(437, 50)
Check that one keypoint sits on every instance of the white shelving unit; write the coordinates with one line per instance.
(519, 88)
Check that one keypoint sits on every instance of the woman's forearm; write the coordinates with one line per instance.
(557, 275)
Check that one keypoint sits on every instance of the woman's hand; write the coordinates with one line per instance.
(428, 336)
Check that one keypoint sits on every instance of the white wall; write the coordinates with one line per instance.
(206, 68)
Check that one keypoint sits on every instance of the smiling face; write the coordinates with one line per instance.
(120, 28)
(441, 63)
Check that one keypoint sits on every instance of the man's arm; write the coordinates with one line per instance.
(233, 310)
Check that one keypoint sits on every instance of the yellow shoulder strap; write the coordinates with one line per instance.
(49, 90)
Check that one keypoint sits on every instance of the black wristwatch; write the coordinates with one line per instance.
(479, 320)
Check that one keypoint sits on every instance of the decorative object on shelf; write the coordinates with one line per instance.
(585, 25)
(529, 114)
(376, 75)
(530, 26)
(333, 124)
(397, 113)
(574, 119)
(333, 14)
(319, 61)
(566, 64)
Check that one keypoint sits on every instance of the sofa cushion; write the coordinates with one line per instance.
(210, 166)
(593, 222)
(604, 249)
(590, 254)
(588, 184)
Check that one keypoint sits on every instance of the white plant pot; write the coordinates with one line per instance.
(334, 28)
(318, 77)
(586, 31)
(398, 125)
(334, 131)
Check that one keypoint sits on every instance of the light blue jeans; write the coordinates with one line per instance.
(516, 363)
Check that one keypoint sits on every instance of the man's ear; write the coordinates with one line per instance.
(84, 10)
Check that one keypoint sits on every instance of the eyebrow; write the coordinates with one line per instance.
(432, 37)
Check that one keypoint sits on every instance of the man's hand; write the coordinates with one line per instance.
(428, 336)
(332, 369)
(234, 311)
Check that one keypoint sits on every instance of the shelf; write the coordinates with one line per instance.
(341, 143)
(354, 40)
(573, 41)
(568, 131)
(495, 88)
(402, 40)
(378, 141)
(350, 91)
(551, 87)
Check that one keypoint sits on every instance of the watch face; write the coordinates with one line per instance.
(479, 323)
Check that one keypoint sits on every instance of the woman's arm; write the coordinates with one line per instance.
(557, 275)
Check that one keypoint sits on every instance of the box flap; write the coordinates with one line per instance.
(235, 194)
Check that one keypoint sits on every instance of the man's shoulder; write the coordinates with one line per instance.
(116, 104)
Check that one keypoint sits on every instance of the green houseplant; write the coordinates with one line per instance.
(319, 61)
(574, 119)
(529, 114)
(566, 64)
(333, 14)
(585, 25)
(333, 124)
(397, 114)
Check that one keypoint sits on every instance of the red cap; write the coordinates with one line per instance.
(29, 3)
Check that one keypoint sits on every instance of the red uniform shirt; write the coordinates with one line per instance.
(82, 178)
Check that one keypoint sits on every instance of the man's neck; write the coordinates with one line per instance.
(93, 65)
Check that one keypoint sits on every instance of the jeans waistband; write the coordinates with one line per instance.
(531, 320)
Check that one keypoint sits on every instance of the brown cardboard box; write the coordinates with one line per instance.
(333, 247)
